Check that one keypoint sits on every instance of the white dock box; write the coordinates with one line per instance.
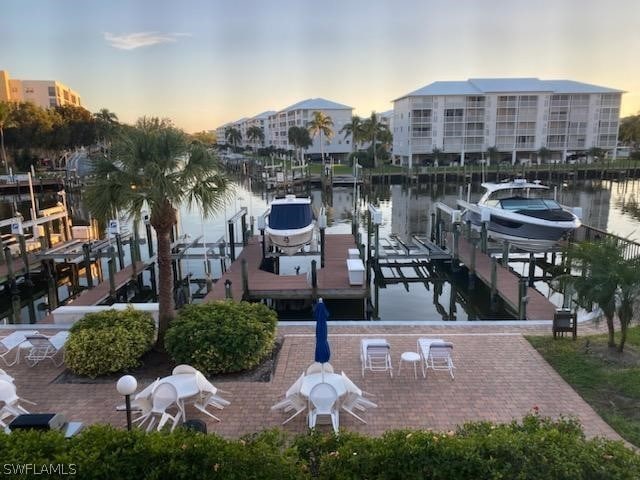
(354, 253)
(355, 267)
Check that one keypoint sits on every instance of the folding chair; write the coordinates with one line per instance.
(12, 342)
(424, 345)
(375, 355)
(440, 357)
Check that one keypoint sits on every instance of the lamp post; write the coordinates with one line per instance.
(126, 386)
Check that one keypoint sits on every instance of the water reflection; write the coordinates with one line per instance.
(406, 212)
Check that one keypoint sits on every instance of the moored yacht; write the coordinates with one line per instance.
(521, 213)
(290, 223)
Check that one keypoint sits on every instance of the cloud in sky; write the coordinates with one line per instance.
(131, 41)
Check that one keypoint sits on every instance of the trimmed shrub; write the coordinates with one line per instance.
(221, 337)
(534, 449)
(108, 342)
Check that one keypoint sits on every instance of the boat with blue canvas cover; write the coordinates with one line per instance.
(522, 214)
(290, 223)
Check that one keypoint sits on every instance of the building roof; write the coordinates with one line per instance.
(317, 104)
(264, 114)
(480, 86)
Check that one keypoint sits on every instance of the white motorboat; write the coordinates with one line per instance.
(290, 223)
(521, 213)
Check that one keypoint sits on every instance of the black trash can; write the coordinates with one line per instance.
(195, 425)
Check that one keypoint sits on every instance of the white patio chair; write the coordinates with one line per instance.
(44, 347)
(292, 401)
(440, 357)
(352, 387)
(164, 396)
(207, 396)
(12, 342)
(323, 397)
(424, 345)
(375, 355)
(11, 401)
(4, 376)
(317, 367)
(184, 369)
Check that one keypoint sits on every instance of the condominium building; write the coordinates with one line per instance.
(518, 116)
(44, 93)
(300, 114)
(276, 126)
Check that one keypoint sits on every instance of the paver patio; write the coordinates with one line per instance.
(498, 377)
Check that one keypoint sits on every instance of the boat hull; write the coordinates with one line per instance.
(290, 241)
(523, 232)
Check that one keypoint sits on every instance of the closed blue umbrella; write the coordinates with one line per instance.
(320, 315)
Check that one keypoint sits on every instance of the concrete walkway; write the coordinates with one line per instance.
(498, 377)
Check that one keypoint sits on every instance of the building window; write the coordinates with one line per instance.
(52, 91)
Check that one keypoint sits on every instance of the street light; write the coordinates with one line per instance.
(126, 386)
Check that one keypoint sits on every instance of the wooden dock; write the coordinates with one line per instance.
(333, 279)
(507, 283)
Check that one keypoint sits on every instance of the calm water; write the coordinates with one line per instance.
(406, 211)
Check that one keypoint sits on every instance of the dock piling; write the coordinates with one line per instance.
(505, 254)
(245, 279)
(112, 273)
(227, 289)
(494, 283)
(87, 264)
(232, 242)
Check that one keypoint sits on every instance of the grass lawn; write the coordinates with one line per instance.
(608, 381)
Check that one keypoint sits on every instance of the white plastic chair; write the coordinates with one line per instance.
(12, 342)
(207, 396)
(184, 369)
(11, 401)
(375, 355)
(292, 401)
(4, 376)
(323, 397)
(440, 357)
(164, 396)
(424, 345)
(317, 367)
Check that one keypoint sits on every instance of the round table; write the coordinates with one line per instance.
(333, 379)
(410, 357)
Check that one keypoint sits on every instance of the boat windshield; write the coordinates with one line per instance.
(290, 216)
(521, 203)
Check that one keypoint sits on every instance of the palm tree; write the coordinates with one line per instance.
(355, 130)
(299, 138)
(5, 113)
(543, 154)
(609, 280)
(321, 125)
(154, 166)
(255, 134)
(374, 130)
(107, 122)
(233, 136)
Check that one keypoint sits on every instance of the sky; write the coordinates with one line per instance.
(203, 63)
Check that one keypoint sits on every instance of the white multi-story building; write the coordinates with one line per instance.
(518, 116)
(300, 114)
(276, 126)
(44, 93)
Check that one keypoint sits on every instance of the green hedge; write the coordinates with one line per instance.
(221, 337)
(534, 449)
(109, 341)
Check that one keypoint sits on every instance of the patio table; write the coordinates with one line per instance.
(333, 379)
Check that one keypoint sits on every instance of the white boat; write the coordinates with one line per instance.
(521, 213)
(290, 223)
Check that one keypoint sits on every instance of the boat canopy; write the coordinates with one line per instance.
(289, 216)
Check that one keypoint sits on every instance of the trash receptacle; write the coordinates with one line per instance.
(195, 425)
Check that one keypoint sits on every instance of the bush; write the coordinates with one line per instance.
(535, 449)
(109, 341)
(222, 337)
